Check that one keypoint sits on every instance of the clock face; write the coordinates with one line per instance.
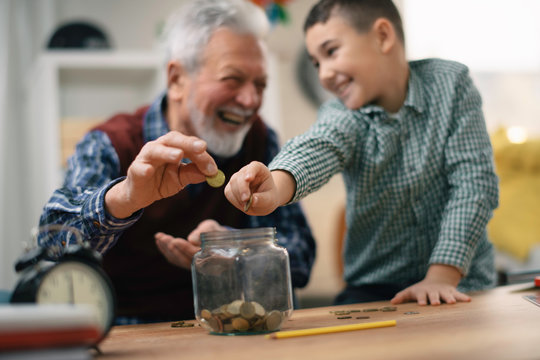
(73, 282)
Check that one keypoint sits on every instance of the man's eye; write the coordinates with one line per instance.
(232, 79)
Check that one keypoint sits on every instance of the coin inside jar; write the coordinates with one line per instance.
(273, 320)
(216, 180)
(247, 310)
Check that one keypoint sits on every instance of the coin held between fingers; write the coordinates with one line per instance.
(216, 180)
(248, 203)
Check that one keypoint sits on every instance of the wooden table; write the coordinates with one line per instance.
(497, 324)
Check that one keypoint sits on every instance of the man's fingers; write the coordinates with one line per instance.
(177, 251)
(193, 148)
(155, 152)
(204, 226)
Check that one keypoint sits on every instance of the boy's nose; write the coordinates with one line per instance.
(325, 74)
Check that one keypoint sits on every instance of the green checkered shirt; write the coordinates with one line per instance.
(421, 185)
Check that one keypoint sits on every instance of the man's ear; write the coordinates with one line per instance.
(385, 34)
(176, 80)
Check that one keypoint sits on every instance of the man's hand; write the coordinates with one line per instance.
(268, 190)
(180, 251)
(158, 172)
(439, 285)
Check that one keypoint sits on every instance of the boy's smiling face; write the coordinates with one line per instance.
(348, 62)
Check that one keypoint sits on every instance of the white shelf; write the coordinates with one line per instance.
(81, 85)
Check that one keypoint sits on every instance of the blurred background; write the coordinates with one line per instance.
(48, 98)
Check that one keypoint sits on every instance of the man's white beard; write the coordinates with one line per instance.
(224, 144)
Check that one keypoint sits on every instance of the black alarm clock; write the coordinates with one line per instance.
(72, 275)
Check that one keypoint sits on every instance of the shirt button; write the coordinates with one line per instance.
(96, 223)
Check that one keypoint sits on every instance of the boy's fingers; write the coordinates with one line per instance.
(448, 297)
(422, 298)
(434, 298)
(462, 297)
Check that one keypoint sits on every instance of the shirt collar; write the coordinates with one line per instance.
(415, 92)
(155, 124)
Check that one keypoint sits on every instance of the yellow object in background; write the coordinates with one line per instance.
(515, 227)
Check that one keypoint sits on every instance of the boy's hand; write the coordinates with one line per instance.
(438, 285)
(253, 180)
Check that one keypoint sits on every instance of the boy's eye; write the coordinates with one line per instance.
(316, 64)
(331, 51)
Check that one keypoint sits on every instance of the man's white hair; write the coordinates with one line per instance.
(188, 31)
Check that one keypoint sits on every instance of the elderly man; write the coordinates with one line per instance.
(135, 186)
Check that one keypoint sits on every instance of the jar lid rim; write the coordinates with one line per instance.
(238, 234)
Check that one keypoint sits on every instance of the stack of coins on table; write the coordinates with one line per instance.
(242, 317)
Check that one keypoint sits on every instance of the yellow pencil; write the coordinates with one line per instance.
(330, 329)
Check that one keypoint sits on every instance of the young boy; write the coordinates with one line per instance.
(411, 143)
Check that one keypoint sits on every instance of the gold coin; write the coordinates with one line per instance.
(215, 324)
(206, 314)
(234, 307)
(247, 310)
(273, 320)
(259, 309)
(240, 324)
(216, 180)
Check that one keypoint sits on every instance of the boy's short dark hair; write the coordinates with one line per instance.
(360, 14)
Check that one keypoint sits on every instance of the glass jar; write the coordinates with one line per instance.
(241, 282)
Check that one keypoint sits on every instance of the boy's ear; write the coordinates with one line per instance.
(385, 34)
(176, 79)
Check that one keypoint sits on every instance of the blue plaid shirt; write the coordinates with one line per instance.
(95, 167)
(420, 184)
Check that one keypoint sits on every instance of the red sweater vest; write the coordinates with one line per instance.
(147, 285)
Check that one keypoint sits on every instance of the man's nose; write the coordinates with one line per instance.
(249, 96)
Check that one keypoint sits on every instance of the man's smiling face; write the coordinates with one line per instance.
(226, 92)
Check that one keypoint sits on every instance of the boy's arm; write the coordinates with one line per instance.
(267, 190)
(473, 196)
(439, 284)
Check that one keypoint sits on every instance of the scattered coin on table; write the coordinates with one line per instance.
(182, 323)
(370, 310)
